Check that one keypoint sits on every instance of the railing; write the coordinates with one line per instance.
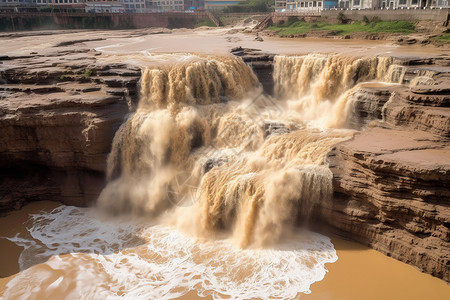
(213, 18)
(296, 13)
(85, 14)
(388, 8)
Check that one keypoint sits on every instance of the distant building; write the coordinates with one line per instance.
(165, 5)
(330, 4)
(59, 3)
(16, 2)
(43, 2)
(194, 4)
(360, 4)
(104, 7)
(299, 5)
(392, 4)
(219, 4)
(134, 5)
(40, 2)
(414, 4)
(304, 5)
(280, 5)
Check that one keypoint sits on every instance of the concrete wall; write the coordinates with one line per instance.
(437, 15)
(282, 18)
(35, 21)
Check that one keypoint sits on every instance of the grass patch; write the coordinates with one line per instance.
(208, 23)
(444, 38)
(301, 27)
(87, 73)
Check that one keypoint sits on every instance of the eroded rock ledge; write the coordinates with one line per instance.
(391, 182)
(58, 115)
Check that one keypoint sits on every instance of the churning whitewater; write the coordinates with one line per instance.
(206, 183)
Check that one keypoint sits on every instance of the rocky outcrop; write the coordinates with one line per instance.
(58, 114)
(367, 104)
(391, 181)
(261, 63)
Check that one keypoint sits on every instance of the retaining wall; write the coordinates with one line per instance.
(34, 21)
(437, 15)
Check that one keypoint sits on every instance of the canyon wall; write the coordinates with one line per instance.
(59, 112)
(391, 181)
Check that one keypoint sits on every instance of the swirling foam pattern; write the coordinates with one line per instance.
(87, 255)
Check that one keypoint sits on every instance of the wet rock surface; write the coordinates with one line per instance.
(391, 181)
(274, 128)
(261, 63)
(367, 105)
(58, 113)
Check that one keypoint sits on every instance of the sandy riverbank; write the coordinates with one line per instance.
(210, 42)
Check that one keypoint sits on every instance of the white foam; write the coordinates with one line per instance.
(108, 259)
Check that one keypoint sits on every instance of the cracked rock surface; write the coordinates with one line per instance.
(58, 114)
(391, 182)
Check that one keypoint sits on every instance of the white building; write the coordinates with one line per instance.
(39, 2)
(280, 5)
(393, 4)
(305, 5)
(134, 5)
(58, 2)
(104, 7)
(405, 4)
(164, 6)
(16, 2)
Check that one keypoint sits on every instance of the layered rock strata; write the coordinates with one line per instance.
(58, 114)
(391, 181)
(261, 63)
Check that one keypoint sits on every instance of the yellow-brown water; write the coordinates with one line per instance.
(205, 138)
(206, 181)
(359, 273)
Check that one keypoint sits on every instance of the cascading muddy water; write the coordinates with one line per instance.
(208, 153)
(249, 164)
(318, 87)
(205, 135)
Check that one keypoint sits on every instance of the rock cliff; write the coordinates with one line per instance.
(391, 181)
(58, 114)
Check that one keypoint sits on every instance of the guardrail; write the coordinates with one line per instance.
(300, 13)
(85, 14)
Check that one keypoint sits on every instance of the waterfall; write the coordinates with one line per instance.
(209, 153)
(318, 86)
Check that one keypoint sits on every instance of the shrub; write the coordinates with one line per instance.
(342, 18)
(375, 20)
(87, 73)
(366, 20)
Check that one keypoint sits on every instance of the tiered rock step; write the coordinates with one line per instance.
(391, 181)
(58, 115)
